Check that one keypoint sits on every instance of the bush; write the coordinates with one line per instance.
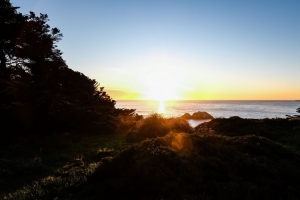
(178, 125)
(193, 166)
(156, 125)
(152, 126)
(127, 123)
(285, 131)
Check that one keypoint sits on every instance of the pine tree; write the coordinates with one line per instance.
(44, 95)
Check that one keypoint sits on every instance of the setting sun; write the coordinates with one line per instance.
(161, 86)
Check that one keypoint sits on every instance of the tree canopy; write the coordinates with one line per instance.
(38, 92)
(10, 25)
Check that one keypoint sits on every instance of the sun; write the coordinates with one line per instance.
(161, 93)
(161, 86)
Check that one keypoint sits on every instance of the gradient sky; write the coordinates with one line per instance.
(242, 50)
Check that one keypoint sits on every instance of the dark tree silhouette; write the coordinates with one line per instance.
(43, 94)
(10, 24)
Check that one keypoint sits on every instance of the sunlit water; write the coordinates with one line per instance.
(244, 109)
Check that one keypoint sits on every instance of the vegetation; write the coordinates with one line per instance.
(207, 164)
(49, 115)
(47, 168)
(294, 116)
(284, 131)
(39, 93)
(155, 125)
(206, 167)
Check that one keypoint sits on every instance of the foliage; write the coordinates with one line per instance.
(49, 166)
(213, 167)
(155, 125)
(127, 123)
(285, 131)
(152, 126)
(10, 25)
(39, 93)
(178, 125)
(177, 166)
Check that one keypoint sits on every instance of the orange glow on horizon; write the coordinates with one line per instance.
(162, 95)
(164, 87)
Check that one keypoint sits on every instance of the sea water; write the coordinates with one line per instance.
(244, 109)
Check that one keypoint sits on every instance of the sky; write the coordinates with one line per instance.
(165, 50)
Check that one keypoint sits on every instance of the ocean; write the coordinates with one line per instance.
(244, 109)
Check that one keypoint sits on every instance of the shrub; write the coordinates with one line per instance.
(212, 167)
(127, 123)
(178, 125)
(153, 126)
(285, 131)
(156, 125)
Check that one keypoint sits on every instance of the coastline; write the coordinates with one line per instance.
(257, 109)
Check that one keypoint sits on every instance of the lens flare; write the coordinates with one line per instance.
(182, 143)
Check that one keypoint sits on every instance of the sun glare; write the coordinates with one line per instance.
(161, 86)
(161, 107)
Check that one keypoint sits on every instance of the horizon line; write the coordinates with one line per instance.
(209, 100)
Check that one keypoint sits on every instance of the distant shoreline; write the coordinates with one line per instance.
(256, 109)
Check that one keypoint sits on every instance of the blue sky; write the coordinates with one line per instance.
(181, 49)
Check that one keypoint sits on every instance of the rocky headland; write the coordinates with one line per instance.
(197, 115)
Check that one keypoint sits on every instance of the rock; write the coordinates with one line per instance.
(201, 115)
(197, 115)
(186, 116)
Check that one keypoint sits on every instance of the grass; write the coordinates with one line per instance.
(205, 167)
(223, 159)
(36, 168)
